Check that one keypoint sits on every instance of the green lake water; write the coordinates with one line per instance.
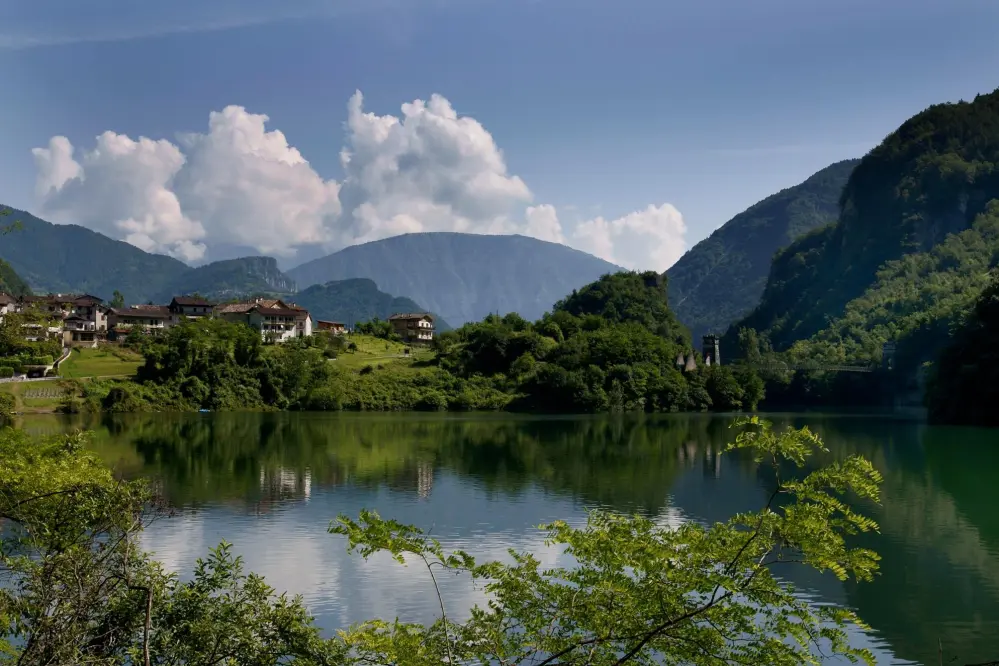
(270, 483)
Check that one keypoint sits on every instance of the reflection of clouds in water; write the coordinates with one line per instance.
(291, 549)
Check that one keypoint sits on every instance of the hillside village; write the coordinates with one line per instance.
(81, 320)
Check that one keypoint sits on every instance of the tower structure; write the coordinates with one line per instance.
(711, 349)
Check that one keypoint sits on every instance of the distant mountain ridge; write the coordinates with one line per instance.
(463, 277)
(232, 278)
(720, 279)
(68, 258)
(355, 300)
(458, 277)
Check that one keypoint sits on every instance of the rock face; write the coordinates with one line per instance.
(232, 278)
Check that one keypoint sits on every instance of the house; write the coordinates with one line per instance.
(334, 327)
(90, 315)
(276, 320)
(77, 317)
(191, 307)
(148, 318)
(413, 326)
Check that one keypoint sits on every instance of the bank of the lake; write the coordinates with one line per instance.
(271, 482)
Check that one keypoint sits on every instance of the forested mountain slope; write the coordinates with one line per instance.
(69, 258)
(720, 280)
(356, 300)
(934, 176)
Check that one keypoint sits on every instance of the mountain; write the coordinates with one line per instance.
(231, 278)
(892, 254)
(720, 280)
(68, 258)
(355, 300)
(463, 277)
(11, 282)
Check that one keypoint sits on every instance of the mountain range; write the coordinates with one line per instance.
(460, 277)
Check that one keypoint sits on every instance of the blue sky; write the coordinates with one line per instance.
(603, 109)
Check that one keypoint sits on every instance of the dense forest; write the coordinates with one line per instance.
(934, 176)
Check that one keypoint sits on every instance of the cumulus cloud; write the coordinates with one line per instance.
(653, 238)
(429, 170)
(240, 183)
(122, 188)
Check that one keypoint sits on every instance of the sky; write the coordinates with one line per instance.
(207, 129)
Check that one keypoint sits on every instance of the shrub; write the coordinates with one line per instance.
(431, 401)
(6, 371)
(367, 370)
(7, 404)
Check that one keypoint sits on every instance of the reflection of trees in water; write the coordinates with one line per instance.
(623, 463)
(940, 529)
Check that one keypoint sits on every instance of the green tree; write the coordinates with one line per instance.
(117, 299)
(640, 593)
(78, 590)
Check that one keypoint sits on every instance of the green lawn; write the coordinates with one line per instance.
(375, 351)
(36, 397)
(100, 362)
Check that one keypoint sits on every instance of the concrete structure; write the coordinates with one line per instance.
(413, 326)
(711, 349)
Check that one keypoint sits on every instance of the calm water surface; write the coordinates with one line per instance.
(270, 484)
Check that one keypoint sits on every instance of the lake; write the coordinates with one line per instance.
(270, 484)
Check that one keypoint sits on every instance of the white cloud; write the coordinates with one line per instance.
(121, 188)
(650, 239)
(249, 187)
(646, 239)
(542, 222)
(242, 184)
(429, 170)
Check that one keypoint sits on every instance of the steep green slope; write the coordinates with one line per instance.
(915, 300)
(355, 300)
(930, 178)
(69, 258)
(720, 280)
(232, 278)
(965, 388)
(10, 281)
(463, 277)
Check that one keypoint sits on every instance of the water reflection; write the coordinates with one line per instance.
(271, 482)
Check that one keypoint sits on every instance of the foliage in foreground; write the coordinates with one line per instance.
(645, 593)
(77, 588)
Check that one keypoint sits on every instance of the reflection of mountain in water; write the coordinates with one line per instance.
(939, 528)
